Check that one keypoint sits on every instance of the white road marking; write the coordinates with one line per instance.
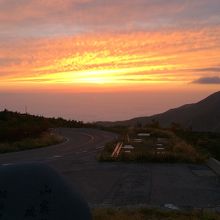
(57, 156)
(7, 164)
(100, 147)
(80, 152)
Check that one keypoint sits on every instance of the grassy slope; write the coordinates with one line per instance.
(24, 131)
(43, 140)
(207, 142)
(148, 214)
(177, 151)
(201, 116)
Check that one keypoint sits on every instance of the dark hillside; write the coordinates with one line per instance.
(16, 126)
(201, 116)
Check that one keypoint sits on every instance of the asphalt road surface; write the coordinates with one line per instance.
(121, 184)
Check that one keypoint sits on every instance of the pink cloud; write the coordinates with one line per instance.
(90, 15)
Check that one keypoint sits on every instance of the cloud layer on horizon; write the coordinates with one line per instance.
(208, 80)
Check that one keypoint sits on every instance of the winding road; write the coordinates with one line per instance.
(119, 184)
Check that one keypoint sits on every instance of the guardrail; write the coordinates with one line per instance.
(117, 149)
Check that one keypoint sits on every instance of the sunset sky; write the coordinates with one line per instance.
(109, 45)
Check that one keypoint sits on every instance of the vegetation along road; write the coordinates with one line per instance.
(121, 184)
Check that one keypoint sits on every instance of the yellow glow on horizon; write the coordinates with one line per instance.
(100, 76)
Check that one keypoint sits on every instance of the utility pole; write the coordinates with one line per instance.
(26, 109)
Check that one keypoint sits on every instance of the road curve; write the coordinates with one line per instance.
(120, 184)
(77, 141)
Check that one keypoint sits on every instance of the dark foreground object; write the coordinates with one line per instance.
(35, 191)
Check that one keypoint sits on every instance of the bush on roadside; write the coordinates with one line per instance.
(45, 139)
(151, 214)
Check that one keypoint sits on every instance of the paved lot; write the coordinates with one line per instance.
(119, 183)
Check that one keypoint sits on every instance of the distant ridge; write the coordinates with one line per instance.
(200, 116)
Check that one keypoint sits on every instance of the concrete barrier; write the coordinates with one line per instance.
(214, 165)
(36, 191)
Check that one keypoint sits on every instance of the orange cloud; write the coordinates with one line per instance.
(137, 58)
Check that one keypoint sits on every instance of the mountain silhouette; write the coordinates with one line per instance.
(201, 116)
